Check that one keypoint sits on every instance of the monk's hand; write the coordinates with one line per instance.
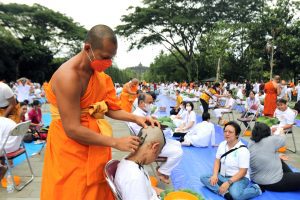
(145, 121)
(130, 143)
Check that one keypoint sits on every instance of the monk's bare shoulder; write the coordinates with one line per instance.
(66, 77)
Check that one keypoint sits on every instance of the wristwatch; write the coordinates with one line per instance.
(230, 181)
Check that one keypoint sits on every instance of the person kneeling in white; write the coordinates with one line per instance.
(202, 135)
(172, 150)
(285, 115)
(227, 108)
(131, 179)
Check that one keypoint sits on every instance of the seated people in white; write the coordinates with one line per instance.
(189, 122)
(202, 135)
(285, 115)
(252, 107)
(227, 107)
(131, 179)
(178, 119)
(13, 142)
(172, 150)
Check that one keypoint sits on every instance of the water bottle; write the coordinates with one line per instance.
(10, 186)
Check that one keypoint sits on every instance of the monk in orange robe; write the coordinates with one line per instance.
(80, 139)
(272, 89)
(129, 94)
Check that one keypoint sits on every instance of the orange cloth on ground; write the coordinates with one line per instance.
(126, 98)
(72, 170)
(270, 99)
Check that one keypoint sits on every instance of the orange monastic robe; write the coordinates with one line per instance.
(73, 171)
(270, 99)
(128, 99)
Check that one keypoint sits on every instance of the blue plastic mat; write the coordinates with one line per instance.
(32, 148)
(197, 162)
(297, 121)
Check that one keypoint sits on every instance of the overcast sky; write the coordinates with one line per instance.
(91, 12)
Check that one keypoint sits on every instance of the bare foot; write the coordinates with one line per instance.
(164, 178)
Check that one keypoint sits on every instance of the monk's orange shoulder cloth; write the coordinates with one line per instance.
(71, 170)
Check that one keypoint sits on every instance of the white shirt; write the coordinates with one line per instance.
(133, 182)
(203, 134)
(190, 117)
(5, 93)
(13, 142)
(252, 103)
(285, 117)
(231, 164)
(23, 92)
(229, 103)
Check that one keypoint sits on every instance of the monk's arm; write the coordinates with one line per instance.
(67, 88)
(129, 89)
(126, 116)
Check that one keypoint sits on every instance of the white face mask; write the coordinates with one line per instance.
(188, 108)
(148, 107)
(181, 107)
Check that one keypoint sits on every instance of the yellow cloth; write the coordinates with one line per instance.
(206, 97)
(97, 110)
(178, 101)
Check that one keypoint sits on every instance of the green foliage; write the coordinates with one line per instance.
(120, 76)
(31, 36)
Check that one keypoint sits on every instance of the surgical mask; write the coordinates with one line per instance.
(181, 107)
(148, 108)
(99, 65)
(188, 108)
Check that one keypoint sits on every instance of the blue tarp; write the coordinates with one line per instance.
(197, 162)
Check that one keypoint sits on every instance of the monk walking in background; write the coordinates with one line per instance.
(80, 139)
(129, 94)
(272, 90)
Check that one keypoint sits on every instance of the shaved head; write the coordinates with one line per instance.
(152, 135)
(135, 81)
(96, 35)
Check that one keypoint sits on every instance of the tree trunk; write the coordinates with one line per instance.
(218, 70)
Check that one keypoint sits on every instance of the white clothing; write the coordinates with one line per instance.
(202, 135)
(133, 182)
(298, 91)
(251, 104)
(190, 117)
(231, 164)
(228, 107)
(172, 149)
(283, 92)
(179, 121)
(23, 92)
(13, 142)
(285, 117)
(5, 93)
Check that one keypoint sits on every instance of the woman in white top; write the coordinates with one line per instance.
(189, 120)
(178, 119)
(252, 107)
(227, 108)
(230, 176)
(203, 134)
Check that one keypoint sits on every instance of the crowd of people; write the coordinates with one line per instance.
(80, 139)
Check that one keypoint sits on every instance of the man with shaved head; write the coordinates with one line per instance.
(129, 94)
(131, 179)
(272, 90)
(80, 139)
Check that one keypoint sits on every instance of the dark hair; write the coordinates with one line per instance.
(26, 102)
(252, 92)
(141, 98)
(281, 101)
(23, 104)
(178, 91)
(235, 125)
(36, 103)
(205, 116)
(260, 131)
(216, 85)
(230, 92)
(189, 102)
(152, 94)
